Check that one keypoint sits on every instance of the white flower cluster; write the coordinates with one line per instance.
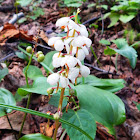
(74, 46)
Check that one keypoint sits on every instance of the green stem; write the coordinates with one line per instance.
(63, 134)
(10, 124)
(74, 102)
(109, 63)
(116, 62)
(29, 98)
(94, 55)
(59, 109)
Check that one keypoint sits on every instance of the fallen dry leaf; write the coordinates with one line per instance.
(46, 130)
(9, 31)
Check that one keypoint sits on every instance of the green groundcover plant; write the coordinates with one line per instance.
(96, 99)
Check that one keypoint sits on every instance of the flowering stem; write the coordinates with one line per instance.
(29, 97)
(59, 110)
(61, 99)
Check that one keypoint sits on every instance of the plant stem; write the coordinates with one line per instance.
(116, 62)
(59, 109)
(29, 97)
(94, 55)
(61, 99)
(10, 124)
(63, 134)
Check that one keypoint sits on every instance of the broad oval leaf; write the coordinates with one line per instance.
(33, 72)
(111, 85)
(36, 136)
(82, 119)
(6, 97)
(106, 108)
(48, 59)
(3, 73)
(40, 86)
(126, 51)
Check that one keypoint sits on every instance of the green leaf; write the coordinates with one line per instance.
(114, 17)
(105, 42)
(126, 18)
(137, 105)
(6, 97)
(109, 51)
(55, 100)
(48, 59)
(126, 51)
(111, 85)
(40, 86)
(45, 116)
(84, 120)
(106, 108)
(3, 73)
(33, 72)
(22, 20)
(36, 136)
(22, 55)
(23, 2)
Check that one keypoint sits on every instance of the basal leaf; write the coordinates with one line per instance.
(36, 136)
(106, 108)
(109, 51)
(48, 59)
(40, 86)
(3, 73)
(126, 51)
(126, 18)
(105, 42)
(6, 97)
(111, 85)
(82, 119)
(114, 17)
(33, 72)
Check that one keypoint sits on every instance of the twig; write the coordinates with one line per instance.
(8, 8)
(10, 124)
(91, 20)
(15, 18)
(101, 70)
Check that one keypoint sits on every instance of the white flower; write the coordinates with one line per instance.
(84, 70)
(68, 60)
(64, 21)
(73, 73)
(71, 61)
(81, 53)
(78, 41)
(53, 78)
(81, 41)
(83, 31)
(85, 50)
(64, 81)
(59, 45)
(52, 40)
(71, 33)
(57, 60)
(88, 41)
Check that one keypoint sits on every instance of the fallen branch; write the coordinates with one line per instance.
(101, 70)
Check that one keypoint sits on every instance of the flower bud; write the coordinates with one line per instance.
(29, 49)
(40, 57)
(39, 52)
(56, 116)
(50, 90)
